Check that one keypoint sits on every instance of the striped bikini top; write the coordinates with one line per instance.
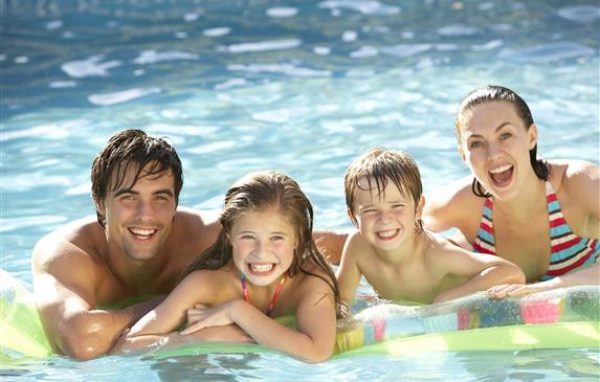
(568, 251)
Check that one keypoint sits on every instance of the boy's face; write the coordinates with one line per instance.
(385, 220)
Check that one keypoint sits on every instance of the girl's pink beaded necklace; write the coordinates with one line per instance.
(273, 299)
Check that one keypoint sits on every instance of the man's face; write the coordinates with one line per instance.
(139, 218)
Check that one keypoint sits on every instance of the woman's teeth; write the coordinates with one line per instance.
(500, 169)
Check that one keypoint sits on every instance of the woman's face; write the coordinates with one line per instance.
(495, 144)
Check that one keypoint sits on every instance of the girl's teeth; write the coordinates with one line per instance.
(261, 267)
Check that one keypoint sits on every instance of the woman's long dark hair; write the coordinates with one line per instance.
(491, 93)
(259, 191)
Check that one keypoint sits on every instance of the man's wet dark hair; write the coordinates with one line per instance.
(133, 149)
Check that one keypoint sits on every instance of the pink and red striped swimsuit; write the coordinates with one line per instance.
(568, 251)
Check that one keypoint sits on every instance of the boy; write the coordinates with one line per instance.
(397, 256)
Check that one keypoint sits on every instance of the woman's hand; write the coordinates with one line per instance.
(201, 317)
(519, 290)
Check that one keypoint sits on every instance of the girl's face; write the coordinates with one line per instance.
(386, 221)
(495, 144)
(263, 244)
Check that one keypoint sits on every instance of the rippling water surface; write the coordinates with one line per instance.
(298, 86)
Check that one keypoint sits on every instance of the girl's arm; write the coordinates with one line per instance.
(315, 315)
(154, 329)
(171, 312)
(348, 273)
(482, 271)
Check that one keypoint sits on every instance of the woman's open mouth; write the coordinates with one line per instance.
(502, 176)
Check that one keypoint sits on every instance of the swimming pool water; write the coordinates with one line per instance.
(298, 86)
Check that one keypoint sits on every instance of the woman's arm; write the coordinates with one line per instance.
(450, 206)
(587, 276)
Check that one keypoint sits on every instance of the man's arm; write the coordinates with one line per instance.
(65, 283)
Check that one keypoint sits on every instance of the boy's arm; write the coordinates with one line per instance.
(348, 273)
(482, 271)
(65, 280)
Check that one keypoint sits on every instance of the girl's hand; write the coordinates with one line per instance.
(194, 314)
(203, 317)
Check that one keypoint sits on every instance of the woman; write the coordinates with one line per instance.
(542, 216)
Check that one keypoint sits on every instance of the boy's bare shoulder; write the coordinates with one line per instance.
(441, 249)
(358, 247)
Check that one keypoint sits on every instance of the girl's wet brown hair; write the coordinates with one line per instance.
(133, 149)
(261, 191)
(493, 93)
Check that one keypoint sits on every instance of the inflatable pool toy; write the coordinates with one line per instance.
(564, 318)
(22, 331)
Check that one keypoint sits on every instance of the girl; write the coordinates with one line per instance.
(543, 216)
(264, 265)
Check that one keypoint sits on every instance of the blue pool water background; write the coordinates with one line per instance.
(298, 86)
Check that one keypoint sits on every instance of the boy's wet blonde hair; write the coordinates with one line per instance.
(378, 165)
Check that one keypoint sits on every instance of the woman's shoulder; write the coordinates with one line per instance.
(458, 191)
(573, 175)
(452, 205)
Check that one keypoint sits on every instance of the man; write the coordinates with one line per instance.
(93, 278)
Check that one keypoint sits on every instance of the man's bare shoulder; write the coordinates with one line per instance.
(194, 230)
(82, 236)
(75, 246)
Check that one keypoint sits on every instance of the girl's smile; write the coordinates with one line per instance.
(263, 244)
